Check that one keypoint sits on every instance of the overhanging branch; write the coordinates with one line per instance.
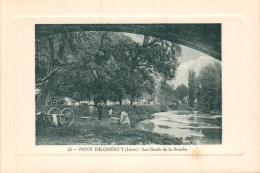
(152, 42)
(40, 81)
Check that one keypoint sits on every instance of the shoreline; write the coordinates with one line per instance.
(103, 132)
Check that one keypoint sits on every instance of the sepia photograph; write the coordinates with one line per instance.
(128, 84)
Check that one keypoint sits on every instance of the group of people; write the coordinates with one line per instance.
(124, 119)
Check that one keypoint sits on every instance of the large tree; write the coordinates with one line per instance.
(49, 60)
(147, 60)
(101, 65)
(73, 65)
(210, 88)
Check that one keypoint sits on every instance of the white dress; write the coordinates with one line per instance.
(110, 112)
(54, 119)
(122, 117)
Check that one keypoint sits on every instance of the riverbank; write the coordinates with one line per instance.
(105, 131)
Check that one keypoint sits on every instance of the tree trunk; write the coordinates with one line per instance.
(120, 99)
(45, 93)
(48, 93)
(100, 112)
(41, 98)
(44, 97)
(132, 101)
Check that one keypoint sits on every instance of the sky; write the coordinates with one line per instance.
(196, 63)
(190, 54)
(191, 59)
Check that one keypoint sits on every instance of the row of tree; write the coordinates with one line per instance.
(204, 91)
(169, 96)
(102, 66)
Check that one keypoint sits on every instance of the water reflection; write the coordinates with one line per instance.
(148, 126)
(202, 129)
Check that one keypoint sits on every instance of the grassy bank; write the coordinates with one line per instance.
(103, 132)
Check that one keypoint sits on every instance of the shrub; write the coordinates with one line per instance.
(164, 108)
(184, 109)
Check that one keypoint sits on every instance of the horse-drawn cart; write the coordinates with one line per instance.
(65, 117)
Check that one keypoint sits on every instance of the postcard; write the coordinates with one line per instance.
(102, 90)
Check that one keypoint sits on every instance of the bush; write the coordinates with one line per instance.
(184, 109)
(215, 112)
(164, 108)
(173, 107)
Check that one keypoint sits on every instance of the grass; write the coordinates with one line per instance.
(102, 132)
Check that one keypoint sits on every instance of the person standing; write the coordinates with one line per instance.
(100, 106)
(110, 112)
(91, 109)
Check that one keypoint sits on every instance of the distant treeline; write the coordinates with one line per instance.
(203, 93)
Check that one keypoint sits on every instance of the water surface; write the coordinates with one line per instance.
(201, 129)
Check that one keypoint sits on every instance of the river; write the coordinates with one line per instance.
(202, 129)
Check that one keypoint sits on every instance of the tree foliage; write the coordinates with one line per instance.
(102, 65)
(210, 88)
(191, 87)
(181, 92)
(167, 94)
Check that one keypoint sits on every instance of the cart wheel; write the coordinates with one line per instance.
(67, 117)
(53, 110)
(63, 102)
(53, 101)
